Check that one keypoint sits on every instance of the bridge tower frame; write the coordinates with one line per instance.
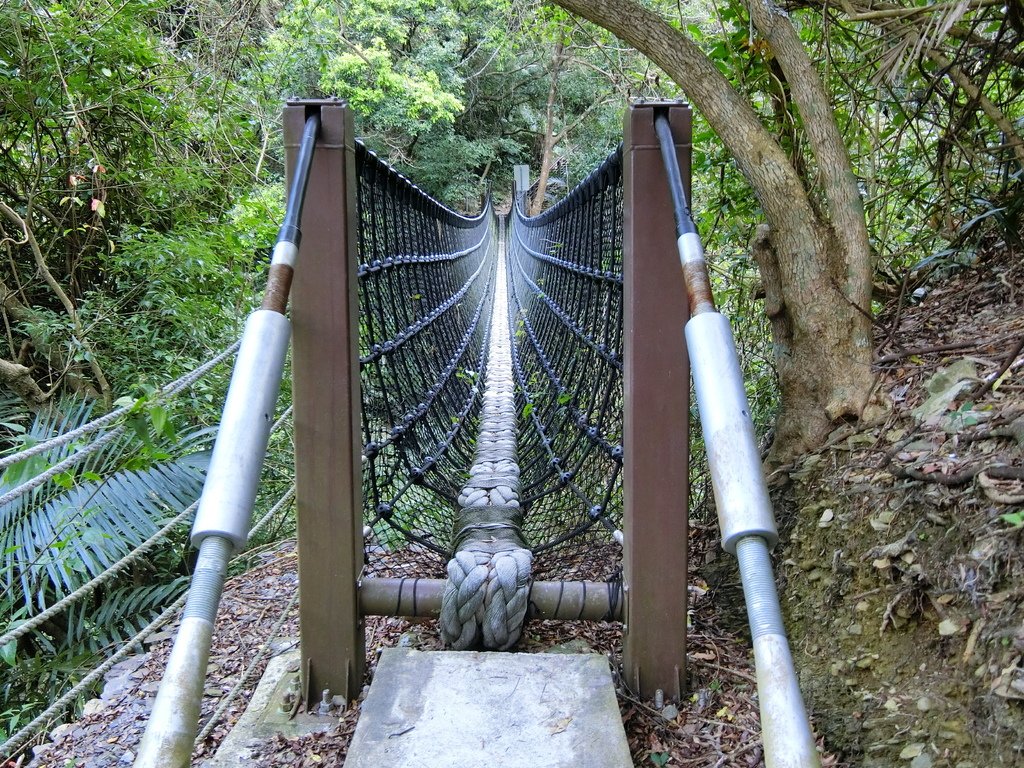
(327, 429)
(326, 397)
(656, 396)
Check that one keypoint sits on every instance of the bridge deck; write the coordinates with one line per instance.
(499, 709)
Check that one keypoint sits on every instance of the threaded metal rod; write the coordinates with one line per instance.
(174, 720)
(785, 730)
(763, 610)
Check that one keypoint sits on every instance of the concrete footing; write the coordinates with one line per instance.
(268, 714)
(429, 709)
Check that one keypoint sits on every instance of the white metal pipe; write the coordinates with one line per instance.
(748, 531)
(225, 508)
(174, 720)
(741, 495)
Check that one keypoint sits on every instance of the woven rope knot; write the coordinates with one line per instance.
(486, 598)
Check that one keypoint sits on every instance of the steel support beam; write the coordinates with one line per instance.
(656, 410)
(325, 393)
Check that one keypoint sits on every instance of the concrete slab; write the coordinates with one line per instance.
(514, 710)
(264, 716)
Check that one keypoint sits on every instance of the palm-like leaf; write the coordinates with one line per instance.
(50, 550)
(54, 538)
(120, 614)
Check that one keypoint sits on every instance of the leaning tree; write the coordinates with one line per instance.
(812, 250)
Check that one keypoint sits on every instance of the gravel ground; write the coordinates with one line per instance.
(717, 726)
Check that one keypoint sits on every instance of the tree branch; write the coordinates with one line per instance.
(62, 295)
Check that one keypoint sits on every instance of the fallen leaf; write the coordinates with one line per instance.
(559, 725)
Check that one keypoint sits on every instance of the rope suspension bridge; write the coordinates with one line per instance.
(500, 402)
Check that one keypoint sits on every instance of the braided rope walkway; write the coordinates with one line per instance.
(489, 577)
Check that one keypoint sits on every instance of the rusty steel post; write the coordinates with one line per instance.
(325, 393)
(656, 410)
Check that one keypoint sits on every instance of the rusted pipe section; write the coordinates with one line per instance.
(691, 252)
(741, 496)
(570, 600)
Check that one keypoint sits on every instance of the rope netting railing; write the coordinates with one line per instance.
(565, 275)
(426, 278)
(443, 428)
(426, 281)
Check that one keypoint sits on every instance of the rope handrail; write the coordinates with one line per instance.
(99, 580)
(168, 389)
(428, 258)
(18, 739)
(371, 163)
(607, 174)
(568, 265)
(23, 735)
(129, 559)
(38, 480)
(51, 472)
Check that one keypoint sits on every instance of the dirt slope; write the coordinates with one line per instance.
(903, 573)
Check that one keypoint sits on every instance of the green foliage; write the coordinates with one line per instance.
(452, 92)
(71, 528)
(1016, 519)
(121, 145)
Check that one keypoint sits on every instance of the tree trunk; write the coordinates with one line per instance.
(58, 368)
(77, 331)
(815, 265)
(548, 150)
(19, 380)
